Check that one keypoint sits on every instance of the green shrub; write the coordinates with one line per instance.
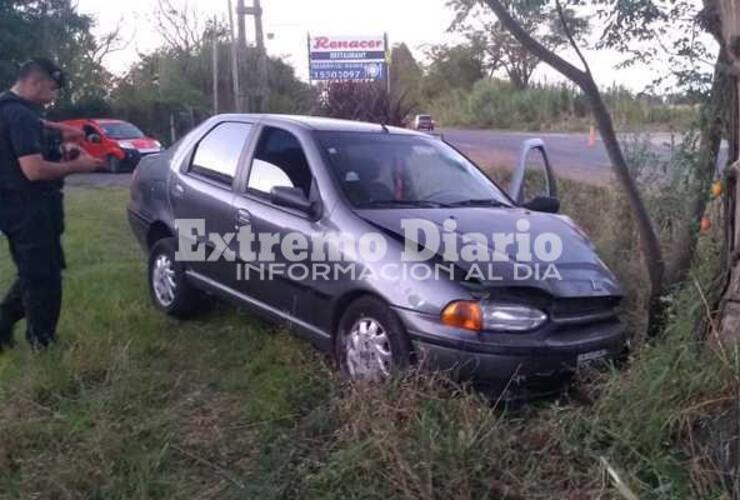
(495, 103)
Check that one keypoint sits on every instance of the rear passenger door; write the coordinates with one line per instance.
(203, 191)
(279, 160)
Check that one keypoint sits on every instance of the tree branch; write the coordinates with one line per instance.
(652, 252)
(572, 40)
(535, 47)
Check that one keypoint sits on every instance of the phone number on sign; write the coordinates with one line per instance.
(339, 75)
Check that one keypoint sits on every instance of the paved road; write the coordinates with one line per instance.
(570, 154)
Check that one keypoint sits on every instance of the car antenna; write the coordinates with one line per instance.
(385, 128)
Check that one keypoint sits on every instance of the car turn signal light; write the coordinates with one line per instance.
(465, 314)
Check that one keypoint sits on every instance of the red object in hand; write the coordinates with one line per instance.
(70, 152)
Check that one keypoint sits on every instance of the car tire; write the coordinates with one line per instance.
(371, 342)
(168, 286)
(114, 165)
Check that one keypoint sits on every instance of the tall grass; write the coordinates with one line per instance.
(137, 405)
(498, 104)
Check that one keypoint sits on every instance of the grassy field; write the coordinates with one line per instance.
(137, 405)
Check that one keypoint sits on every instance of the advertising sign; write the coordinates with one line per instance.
(344, 71)
(347, 58)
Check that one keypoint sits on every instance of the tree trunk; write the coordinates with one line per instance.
(713, 125)
(729, 13)
(651, 250)
(726, 451)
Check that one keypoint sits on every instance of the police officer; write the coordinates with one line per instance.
(31, 214)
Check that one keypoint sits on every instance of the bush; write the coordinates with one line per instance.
(494, 103)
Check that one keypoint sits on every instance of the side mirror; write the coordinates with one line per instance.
(544, 204)
(94, 138)
(291, 197)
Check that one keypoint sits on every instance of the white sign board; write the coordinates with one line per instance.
(342, 58)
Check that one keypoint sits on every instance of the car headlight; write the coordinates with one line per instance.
(511, 317)
(126, 145)
(492, 316)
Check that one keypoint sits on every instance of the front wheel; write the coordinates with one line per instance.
(114, 165)
(168, 287)
(371, 342)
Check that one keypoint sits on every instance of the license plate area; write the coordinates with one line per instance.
(591, 358)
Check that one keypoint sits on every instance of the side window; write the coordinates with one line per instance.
(217, 154)
(279, 161)
(89, 130)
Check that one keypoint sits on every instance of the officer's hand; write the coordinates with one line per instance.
(86, 163)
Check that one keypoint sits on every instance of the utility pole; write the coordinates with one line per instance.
(241, 11)
(234, 62)
(263, 88)
(215, 75)
(387, 64)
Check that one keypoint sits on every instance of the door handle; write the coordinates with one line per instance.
(178, 191)
(243, 218)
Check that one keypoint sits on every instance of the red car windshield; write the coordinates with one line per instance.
(121, 130)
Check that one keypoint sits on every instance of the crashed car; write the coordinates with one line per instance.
(241, 192)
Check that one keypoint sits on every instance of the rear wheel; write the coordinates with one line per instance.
(168, 286)
(114, 165)
(371, 342)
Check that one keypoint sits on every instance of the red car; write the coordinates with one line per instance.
(120, 143)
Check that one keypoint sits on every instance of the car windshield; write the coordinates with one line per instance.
(424, 118)
(121, 130)
(385, 170)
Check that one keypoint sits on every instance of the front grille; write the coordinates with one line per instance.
(583, 310)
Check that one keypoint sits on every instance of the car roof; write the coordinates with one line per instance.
(321, 123)
(94, 120)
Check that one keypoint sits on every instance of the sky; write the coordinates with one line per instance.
(418, 23)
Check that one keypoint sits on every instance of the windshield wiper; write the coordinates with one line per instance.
(402, 203)
(485, 202)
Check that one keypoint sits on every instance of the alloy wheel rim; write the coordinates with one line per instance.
(163, 279)
(368, 350)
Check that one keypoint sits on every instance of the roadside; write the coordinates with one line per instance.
(138, 405)
(571, 154)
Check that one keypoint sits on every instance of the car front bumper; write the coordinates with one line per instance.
(132, 157)
(561, 353)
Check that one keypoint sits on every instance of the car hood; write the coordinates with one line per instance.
(576, 272)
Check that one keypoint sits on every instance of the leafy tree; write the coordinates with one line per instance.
(288, 94)
(456, 67)
(175, 84)
(502, 50)
(628, 24)
(54, 28)
(405, 73)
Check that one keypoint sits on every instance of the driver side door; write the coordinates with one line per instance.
(534, 176)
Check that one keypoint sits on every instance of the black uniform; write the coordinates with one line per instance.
(32, 218)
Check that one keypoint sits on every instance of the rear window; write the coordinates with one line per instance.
(217, 155)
